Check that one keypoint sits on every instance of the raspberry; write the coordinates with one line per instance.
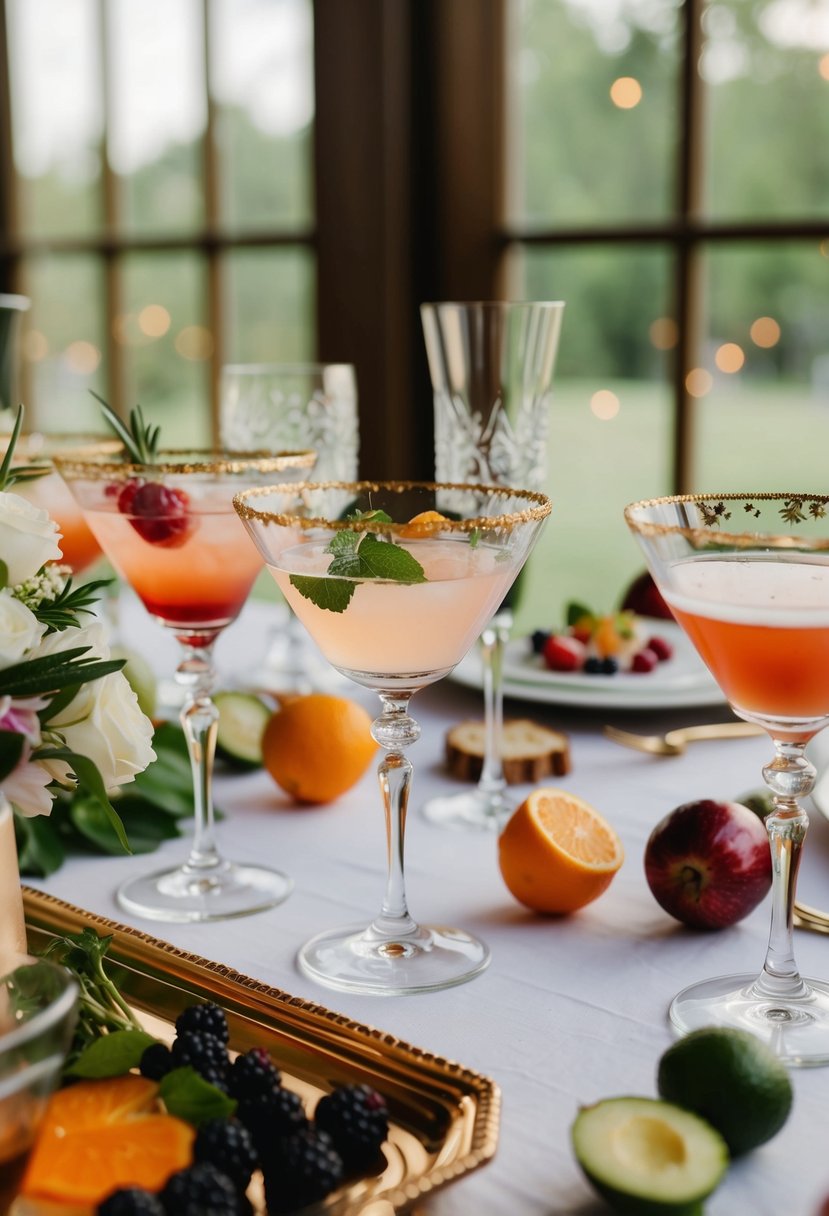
(252, 1074)
(227, 1144)
(201, 1190)
(661, 648)
(271, 1117)
(562, 653)
(208, 1055)
(131, 1201)
(644, 661)
(303, 1169)
(158, 513)
(357, 1120)
(156, 1061)
(207, 1018)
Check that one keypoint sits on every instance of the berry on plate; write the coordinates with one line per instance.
(563, 653)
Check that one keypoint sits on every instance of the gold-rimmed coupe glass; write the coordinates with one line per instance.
(170, 531)
(747, 578)
(394, 581)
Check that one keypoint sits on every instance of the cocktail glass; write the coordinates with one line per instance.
(747, 577)
(491, 364)
(38, 1010)
(393, 606)
(171, 533)
(277, 406)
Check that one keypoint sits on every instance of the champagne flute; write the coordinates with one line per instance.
(491, 366)
(747, 578)
(393, 606)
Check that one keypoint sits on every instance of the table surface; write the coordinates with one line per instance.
(570, 1010)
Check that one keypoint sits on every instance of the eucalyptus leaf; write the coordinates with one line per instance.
(111, 1055)
(189, 1097)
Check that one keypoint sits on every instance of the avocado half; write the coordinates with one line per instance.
(648, 1157)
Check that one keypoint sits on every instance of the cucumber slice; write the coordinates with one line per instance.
(242, 721)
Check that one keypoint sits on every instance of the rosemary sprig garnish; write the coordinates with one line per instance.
(21, 472)
(140, 438)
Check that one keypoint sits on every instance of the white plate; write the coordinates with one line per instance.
(682, 680)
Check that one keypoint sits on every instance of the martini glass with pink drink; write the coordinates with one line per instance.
(747, 577)
(394, 581)
(167, 524)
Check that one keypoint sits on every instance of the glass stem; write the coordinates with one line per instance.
(492, 783)
(790, 776)
(394, 730)
(199, 719)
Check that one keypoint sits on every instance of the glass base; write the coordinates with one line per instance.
(356, 960)
(471, 810)
(187, 893)
(796, 1030)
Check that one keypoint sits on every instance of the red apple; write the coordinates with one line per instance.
(708, 863)
(645, 599)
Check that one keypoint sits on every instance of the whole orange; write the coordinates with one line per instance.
(317, 746)
(556, 853)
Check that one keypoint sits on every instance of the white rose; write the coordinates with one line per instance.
(20, 629)
(103, 720)
(28, 537)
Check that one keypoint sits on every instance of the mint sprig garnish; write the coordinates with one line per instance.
(358, 555)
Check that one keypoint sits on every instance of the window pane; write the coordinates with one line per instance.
(263, 84)
(269, 297)
(611, 424)
(762, 413)
(592, 110)
(57, 122)
(63, 347)
(166, 344)
(158, 112)
(767, 73)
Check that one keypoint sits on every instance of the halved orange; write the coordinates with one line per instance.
(424, 524)
(557, 853)
(98, 1136)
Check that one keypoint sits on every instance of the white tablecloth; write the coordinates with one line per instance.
(570, 1010)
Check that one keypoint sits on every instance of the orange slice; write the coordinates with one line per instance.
(98, 1136)
(424, 524)
(556, 853)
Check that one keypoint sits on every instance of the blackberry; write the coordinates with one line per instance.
(207, 1019)
(357, 1120)
(537, 640)
(228, 1145)
(156, 1061)
(592, 666)
(252, 1074)
(202, 1190)
(206, 1053)
(303, 1169)
(610, 666)
(131, 1201)
(271, 1117)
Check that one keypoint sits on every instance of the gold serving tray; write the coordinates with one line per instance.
(444, 1118)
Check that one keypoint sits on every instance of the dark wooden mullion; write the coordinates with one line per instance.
(689, 231)
(109, 248)
(210, 163)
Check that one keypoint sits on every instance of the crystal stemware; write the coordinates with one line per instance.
(491, 364)
(747, 578)
(277, 406)
(170, 531)
(394, 593)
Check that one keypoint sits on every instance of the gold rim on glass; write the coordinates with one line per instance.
(512, 519)
(814, 505)
(206, 462)
(71, 446)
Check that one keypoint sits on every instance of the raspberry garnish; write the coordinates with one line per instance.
(160, 514)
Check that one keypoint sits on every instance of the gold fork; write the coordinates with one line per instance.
(674, 742)
(810, 918)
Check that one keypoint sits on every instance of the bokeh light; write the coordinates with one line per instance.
(194, 342)
(154, 320)
(765, 332)
(605, 404)
(729, 358)
(626, 92)
(699, 382)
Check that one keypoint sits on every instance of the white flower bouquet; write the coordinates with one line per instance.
(69, 720)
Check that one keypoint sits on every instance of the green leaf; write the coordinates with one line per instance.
(111, 1055)
(145, 824)
(40, 850)
(11, 749)
(189, 1097)
(168, 781)
(342, 543)
(382, 559)
(63, 610)
(332, 594)
(55, 671)
(375, 516)
(13, 438)
(576, 611)
(90, 783)
(4, 575)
